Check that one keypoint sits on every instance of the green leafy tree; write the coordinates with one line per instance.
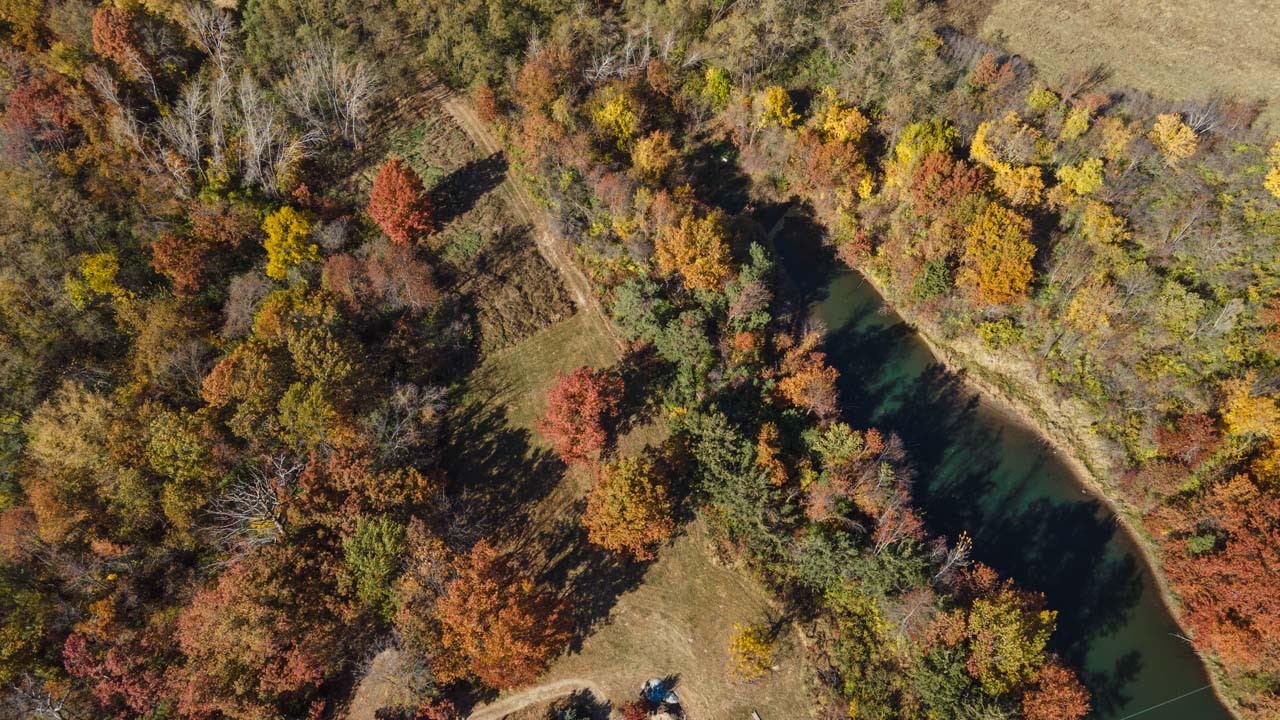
(374, 553)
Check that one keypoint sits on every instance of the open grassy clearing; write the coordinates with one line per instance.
(1174, 49)
(518, 377)
(678, 621)
(484, 247)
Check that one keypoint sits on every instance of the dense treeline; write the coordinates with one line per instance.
(225, 356)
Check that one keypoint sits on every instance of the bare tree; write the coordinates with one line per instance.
(630, 59)
(213, 31)
(269, 151)
(120, 119)
(406, 416)
(247, 515)
(184, 130)
(951, 559)
(29, 697)
(330, 93)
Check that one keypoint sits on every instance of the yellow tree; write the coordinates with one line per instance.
(1021, 186)
(287, 233)
(654, 155)
(1175, 141)
(1082, 178)
(841, 122)
(751, 651)
(996, 267)
(618, 117)
(697, 249)
(1246, 414)
(776, 108)
(1272, 180)
(1100, 225)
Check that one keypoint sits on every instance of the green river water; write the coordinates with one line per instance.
(983, 472)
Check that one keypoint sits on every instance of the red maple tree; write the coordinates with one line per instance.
(580, 408)
(398, 203)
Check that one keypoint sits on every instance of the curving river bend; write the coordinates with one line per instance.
(1030, 517)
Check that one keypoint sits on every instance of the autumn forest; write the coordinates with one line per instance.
(432, 328)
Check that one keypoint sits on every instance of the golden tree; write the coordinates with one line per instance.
(1175, 141)
(697, 249)
(1272, 180)
(654, 155)
(1083, 178)
(996, 267)
(629, 510)
(1021, 186)
(751, 651)
(287, 233)
(1245, 413)
(776, 108)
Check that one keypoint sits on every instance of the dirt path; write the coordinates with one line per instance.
(553, 249)
(502, 707)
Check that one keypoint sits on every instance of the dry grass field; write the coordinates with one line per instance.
(1173, 49)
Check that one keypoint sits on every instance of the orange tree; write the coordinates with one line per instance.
(580, 408)
(697, 249)
(628, 510)
(495, 621)
(996, 267)
(398, 203)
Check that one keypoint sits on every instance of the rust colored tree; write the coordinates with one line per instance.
(581, 407)
(398, 203)
(494, 618)
(1229, 591)
(261, 640)
(1058, 695)
(1190, 439)
(808, 382)
(115, 38)
(182, 260)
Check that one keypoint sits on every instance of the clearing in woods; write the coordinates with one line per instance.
(672, 617)
(1173, 49)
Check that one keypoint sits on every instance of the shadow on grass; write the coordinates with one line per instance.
(460, 190)
(590, 578)
(495, 468)
(503, 477)
(587, 705)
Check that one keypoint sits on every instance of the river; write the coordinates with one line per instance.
(981, 471)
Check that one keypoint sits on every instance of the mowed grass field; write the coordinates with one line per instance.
(678, 621)
(518, 377)
(1173, 49)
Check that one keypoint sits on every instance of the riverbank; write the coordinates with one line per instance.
(1009, 387)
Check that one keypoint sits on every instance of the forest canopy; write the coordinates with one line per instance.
(241, 308)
